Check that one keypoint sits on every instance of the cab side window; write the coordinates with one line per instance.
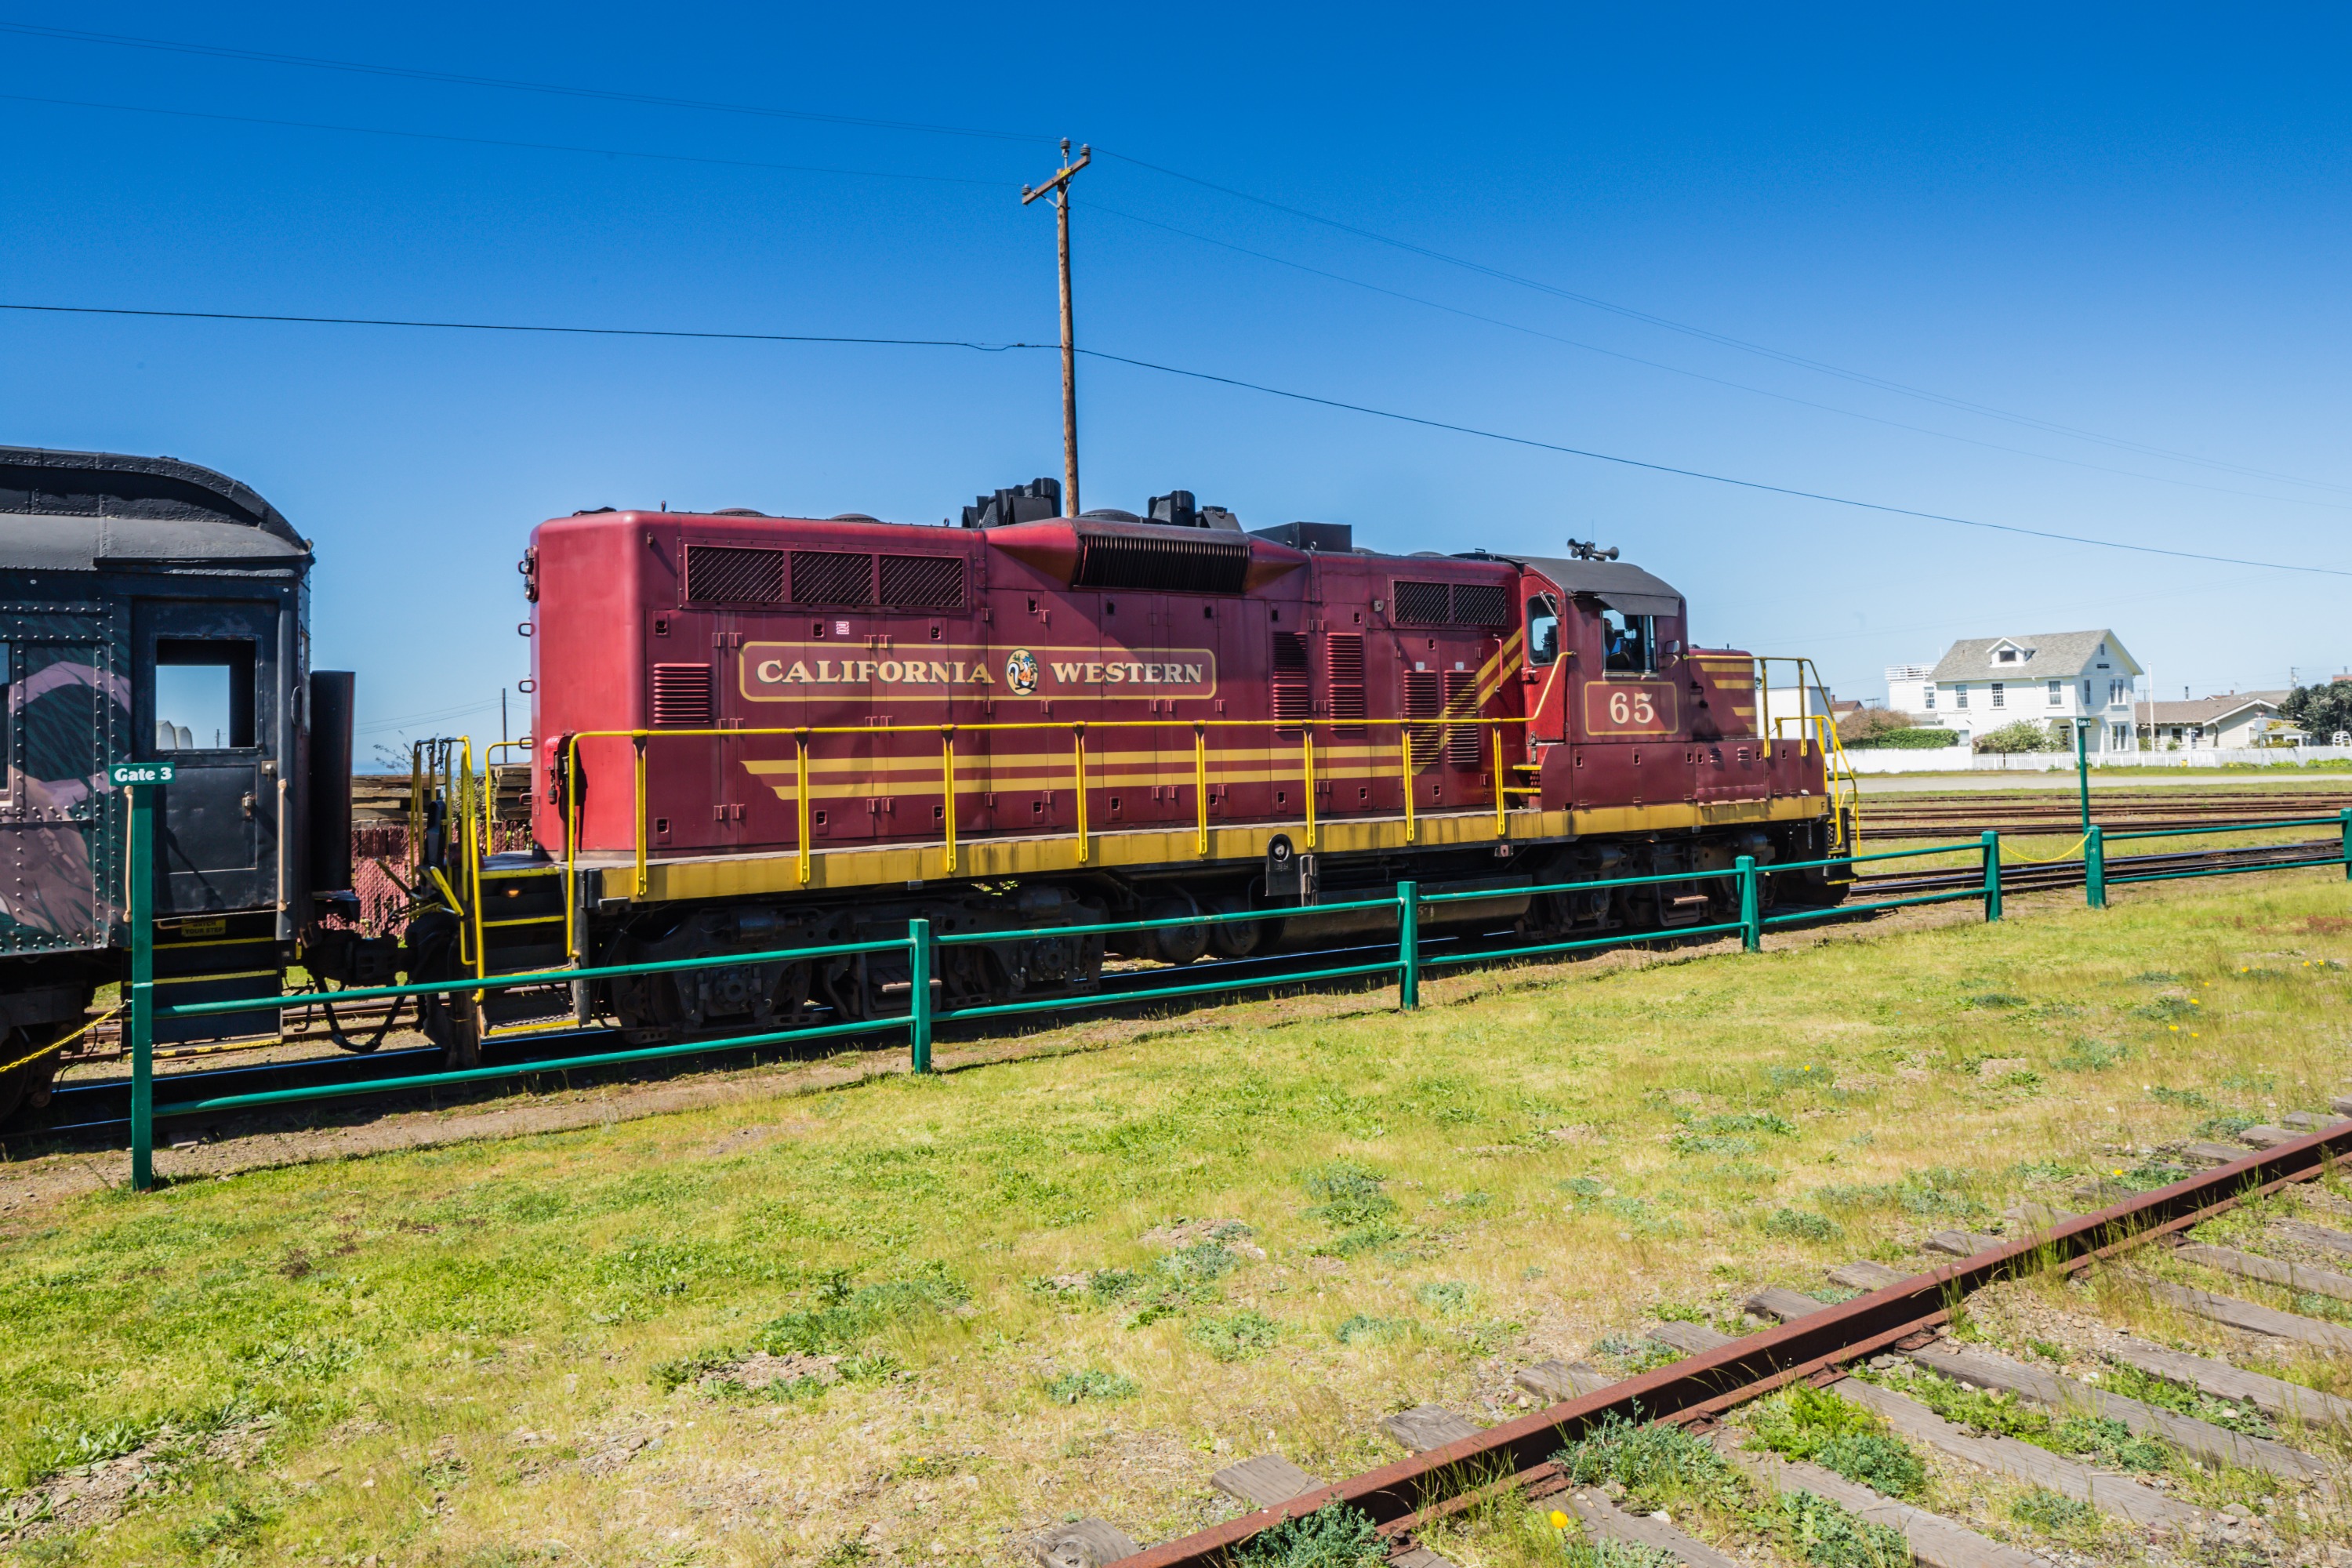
(1629, 643)
(1543, 631)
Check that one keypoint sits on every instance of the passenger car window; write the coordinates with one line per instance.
(204, 694)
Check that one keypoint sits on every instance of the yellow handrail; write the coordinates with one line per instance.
(947, 804)
(800, 736)
(1200, 782)
(1502, 801)
(1306, 741)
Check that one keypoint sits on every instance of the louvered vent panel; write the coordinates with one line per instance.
(923, 582)
(1206, 565)
(1422, 702)
(832, 577)
(1421, 604)
(1344, 656)
(1481, 605)
(682, 696)
(727, 574)
(1291, 704)
(1464, 743)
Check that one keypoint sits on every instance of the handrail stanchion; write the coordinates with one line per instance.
(1200, 782)
(1079, 754)
(946, 808)
(1751, 908)
(801, 799)
(1991, 874)
(644, 807)
(138, 851)
(919, 1000)
(1404, 762)
(2095, 867)
(1307, 754)
(1407, 946)
(1502, 801)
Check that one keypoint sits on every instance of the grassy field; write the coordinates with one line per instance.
(914, 1321)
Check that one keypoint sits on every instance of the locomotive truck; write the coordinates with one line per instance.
(755, 733)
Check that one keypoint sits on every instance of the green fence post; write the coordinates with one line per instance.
(1409, 941)
(2348, 843)
(137, 850)
(1751, 908)
(1992, 874)
(2095, 867)
(2083, 770)
(919, 1008)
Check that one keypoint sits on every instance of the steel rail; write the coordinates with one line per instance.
(1400, 1496)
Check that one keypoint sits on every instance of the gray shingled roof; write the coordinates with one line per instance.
(2207, 711)
(2051, 656)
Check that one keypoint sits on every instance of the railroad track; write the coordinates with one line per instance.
(2028, 877)
(1898, 1322)
(1968, 813)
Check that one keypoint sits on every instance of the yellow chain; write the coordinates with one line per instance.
(2009, 854)
(61, 1044)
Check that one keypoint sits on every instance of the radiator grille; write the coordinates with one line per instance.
(832, 577)
(1162, 566)
(682, 695)
(1291, 704)
(1463, 742)
(727, 574)
(1344, 658)
(1421, 604)
(1481, 605)
(923, 582)
(1422, 702)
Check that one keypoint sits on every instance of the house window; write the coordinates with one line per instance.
(1930, 693)
(2118, 737)
(2086, 694)
(2115, 693)
(1998, 696)
(2057, 700)
(2103, 650)
(1961, 695)
(2008, 656)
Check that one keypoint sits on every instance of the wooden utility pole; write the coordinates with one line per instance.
(1059, 185)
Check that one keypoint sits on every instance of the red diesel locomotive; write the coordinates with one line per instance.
(764, 732)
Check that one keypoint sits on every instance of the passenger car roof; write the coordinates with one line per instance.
(82, 510)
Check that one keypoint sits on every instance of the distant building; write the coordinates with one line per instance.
(2077, 680)
(2234, 719)
(1906, 687)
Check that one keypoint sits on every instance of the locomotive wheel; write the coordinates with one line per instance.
(1178, 944)
(1235, 939)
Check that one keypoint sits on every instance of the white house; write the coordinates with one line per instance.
(1788, 708)
(2237, 719)
(1906, 687)
(2074, 679)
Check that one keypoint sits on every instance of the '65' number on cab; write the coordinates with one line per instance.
(1629, 708)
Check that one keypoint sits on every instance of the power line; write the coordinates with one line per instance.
(1700, 473)
(1701, 375)
(492, 141)
(455, 79)
(1723, 338)
(520, 327)
(1203, 376)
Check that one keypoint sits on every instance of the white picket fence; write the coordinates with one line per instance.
(1958, 759)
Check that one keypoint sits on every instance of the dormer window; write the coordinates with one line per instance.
(2007, 655)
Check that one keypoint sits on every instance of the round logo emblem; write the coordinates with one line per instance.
(1021, 671)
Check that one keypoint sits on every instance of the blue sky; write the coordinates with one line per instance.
(2074, 270)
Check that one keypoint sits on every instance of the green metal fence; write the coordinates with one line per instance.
(920, 945)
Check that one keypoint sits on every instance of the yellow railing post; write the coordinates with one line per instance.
(638, 740)
(571, 846)
(1306, 741)
(947, 811)
(1404, 762)
(1502, 800)
(473, 862)
(801, 798)
(1201, 781)
(1078, 755)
